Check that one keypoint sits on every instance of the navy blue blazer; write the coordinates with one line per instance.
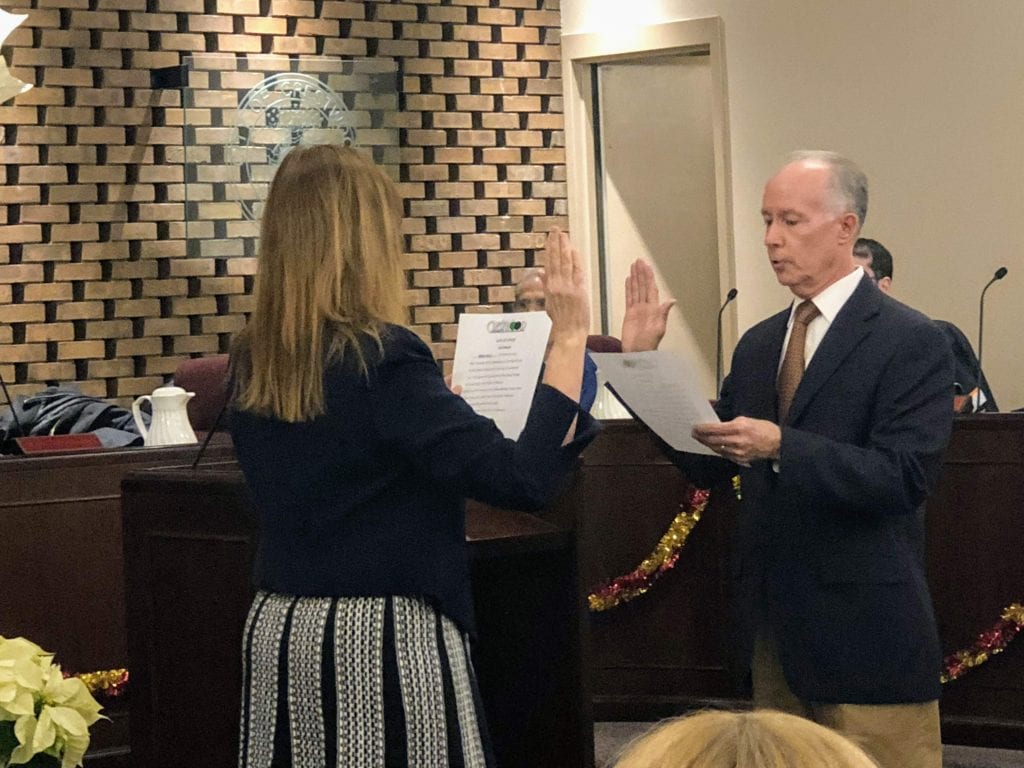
(369, 498)
(824, 550)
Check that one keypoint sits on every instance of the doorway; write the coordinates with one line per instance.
(648, 173)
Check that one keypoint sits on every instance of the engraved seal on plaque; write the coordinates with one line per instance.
(281, 112)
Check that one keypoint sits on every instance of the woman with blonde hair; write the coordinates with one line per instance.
(759, 739)
(359, 460)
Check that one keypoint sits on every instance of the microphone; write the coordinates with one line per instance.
(718, 361)
(14, 411)
(213, 428)
(999, 275)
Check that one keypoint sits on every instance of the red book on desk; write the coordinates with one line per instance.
(85, 441)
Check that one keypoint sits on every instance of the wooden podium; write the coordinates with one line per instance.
(665, 651)
(189, 544)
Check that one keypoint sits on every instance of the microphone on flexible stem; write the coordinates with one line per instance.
(999, 275)
(718, 362)
(213, 428)
(10, 404)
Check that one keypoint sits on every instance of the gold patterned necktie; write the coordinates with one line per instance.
(792, 369)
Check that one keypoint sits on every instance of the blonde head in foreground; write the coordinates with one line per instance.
(330, 276)
(759, 739)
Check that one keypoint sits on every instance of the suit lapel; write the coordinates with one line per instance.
(851, 325)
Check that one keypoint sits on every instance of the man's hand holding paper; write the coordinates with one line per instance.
(742, 439)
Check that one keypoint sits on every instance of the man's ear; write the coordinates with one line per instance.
(885, 284)
(849, 226)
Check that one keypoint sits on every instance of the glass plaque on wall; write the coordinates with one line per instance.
(243, 114)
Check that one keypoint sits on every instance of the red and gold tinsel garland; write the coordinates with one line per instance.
(990, 642)
(107, 683)
(660, 561)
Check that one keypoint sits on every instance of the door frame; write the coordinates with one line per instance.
(581, 53)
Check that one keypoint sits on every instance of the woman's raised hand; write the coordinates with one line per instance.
(565, 290)
(565, 296)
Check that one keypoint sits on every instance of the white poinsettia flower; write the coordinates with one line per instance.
(10, 86)
(51, 714)
(21, 675)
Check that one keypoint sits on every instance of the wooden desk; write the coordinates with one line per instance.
(189, 543)
(976, 569)
(663, 653)
(61, 564)
(655, 656)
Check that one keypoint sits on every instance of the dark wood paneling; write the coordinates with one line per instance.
(62, 562)
(975, 569)
(658, 655)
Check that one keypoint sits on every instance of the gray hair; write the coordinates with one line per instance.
(849, 183)
(528, 274)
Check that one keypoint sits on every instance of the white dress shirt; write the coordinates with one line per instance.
(828, 302)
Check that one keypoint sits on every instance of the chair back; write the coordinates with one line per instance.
(601, 343)
(208, 378)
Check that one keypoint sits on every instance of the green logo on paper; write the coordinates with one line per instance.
(506, 326)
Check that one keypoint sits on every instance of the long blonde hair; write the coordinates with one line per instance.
(758, 739)
(330, 275)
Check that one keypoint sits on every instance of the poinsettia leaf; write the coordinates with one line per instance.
(45, 733)
(69, 720)
(24, 731)
(74, 751)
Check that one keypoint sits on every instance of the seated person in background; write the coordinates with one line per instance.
(759, 739)
(530, 298)
(877, 263)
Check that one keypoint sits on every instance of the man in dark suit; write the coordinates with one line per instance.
(837, 411)
(877, 262)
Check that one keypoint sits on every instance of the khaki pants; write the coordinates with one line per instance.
(894, 735)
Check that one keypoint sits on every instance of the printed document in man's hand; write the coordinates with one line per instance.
(497, 364)
(663, 391)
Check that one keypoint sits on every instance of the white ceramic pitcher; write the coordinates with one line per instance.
(169, 424)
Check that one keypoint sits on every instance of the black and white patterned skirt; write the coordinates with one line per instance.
(357, 682)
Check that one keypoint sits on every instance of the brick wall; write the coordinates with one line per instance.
(95, 283)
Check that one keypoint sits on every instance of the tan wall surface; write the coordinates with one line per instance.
(925, 96)
(94, 283)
